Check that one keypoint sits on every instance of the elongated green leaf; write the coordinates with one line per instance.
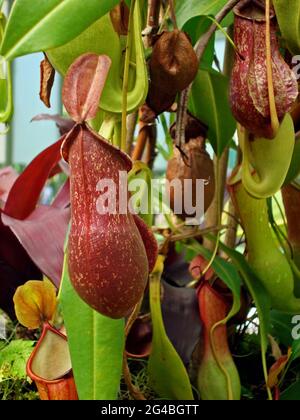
(44, 24)
(261, 299)
(292, 393)
(167, 373)
(289, 22)
(295, 164)
(192, 18)
(197, 27)
(209, 103)
(296, 350)
(6, 99)
(1, 3)
(187, 9)
(260, 296)
(96, 346)
(281, 328)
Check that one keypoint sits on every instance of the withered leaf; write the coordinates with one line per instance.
(191, 162)
(47, 80)
(193, 128)
(158, 101)
(119, 16)
(35, 303)
(174, 63)
(83, 86)
(277, 369)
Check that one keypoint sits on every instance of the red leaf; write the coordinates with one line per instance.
(8, 177)
(24, 194)
(62, 198)
(15, 268)
(42, 235)
(83, 86)
(63, 124)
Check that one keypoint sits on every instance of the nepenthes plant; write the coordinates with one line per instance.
(167, 265)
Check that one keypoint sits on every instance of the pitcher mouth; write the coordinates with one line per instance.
(252, 10)
(32, 371)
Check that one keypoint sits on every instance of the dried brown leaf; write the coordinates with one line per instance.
(119, 16)
(174, 63)
(47, 80)
(277, 369)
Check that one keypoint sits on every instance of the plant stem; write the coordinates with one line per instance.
(213, 215)
(139, 149)
(233, 217)
(126, 76)
(153, 20)
(154, 9)
(195, 233)
(134, 391)
(272, 102)
(173, 14)
(226, 34)
(164, 19)
(151, 146)
(131, 124)
(231, 234)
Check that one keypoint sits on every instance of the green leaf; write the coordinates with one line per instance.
(167, 373)
(295, 164)
(209, 103)
(261, 299)
(6, 97)
(96, 346)
(13, 359)
(295, 350)
(188, 9)
(281, 326)
(168, 139)
(192, 18)
(1, 4)
(292, 393)
(289, 22)
(197, 27)
(48, 23)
